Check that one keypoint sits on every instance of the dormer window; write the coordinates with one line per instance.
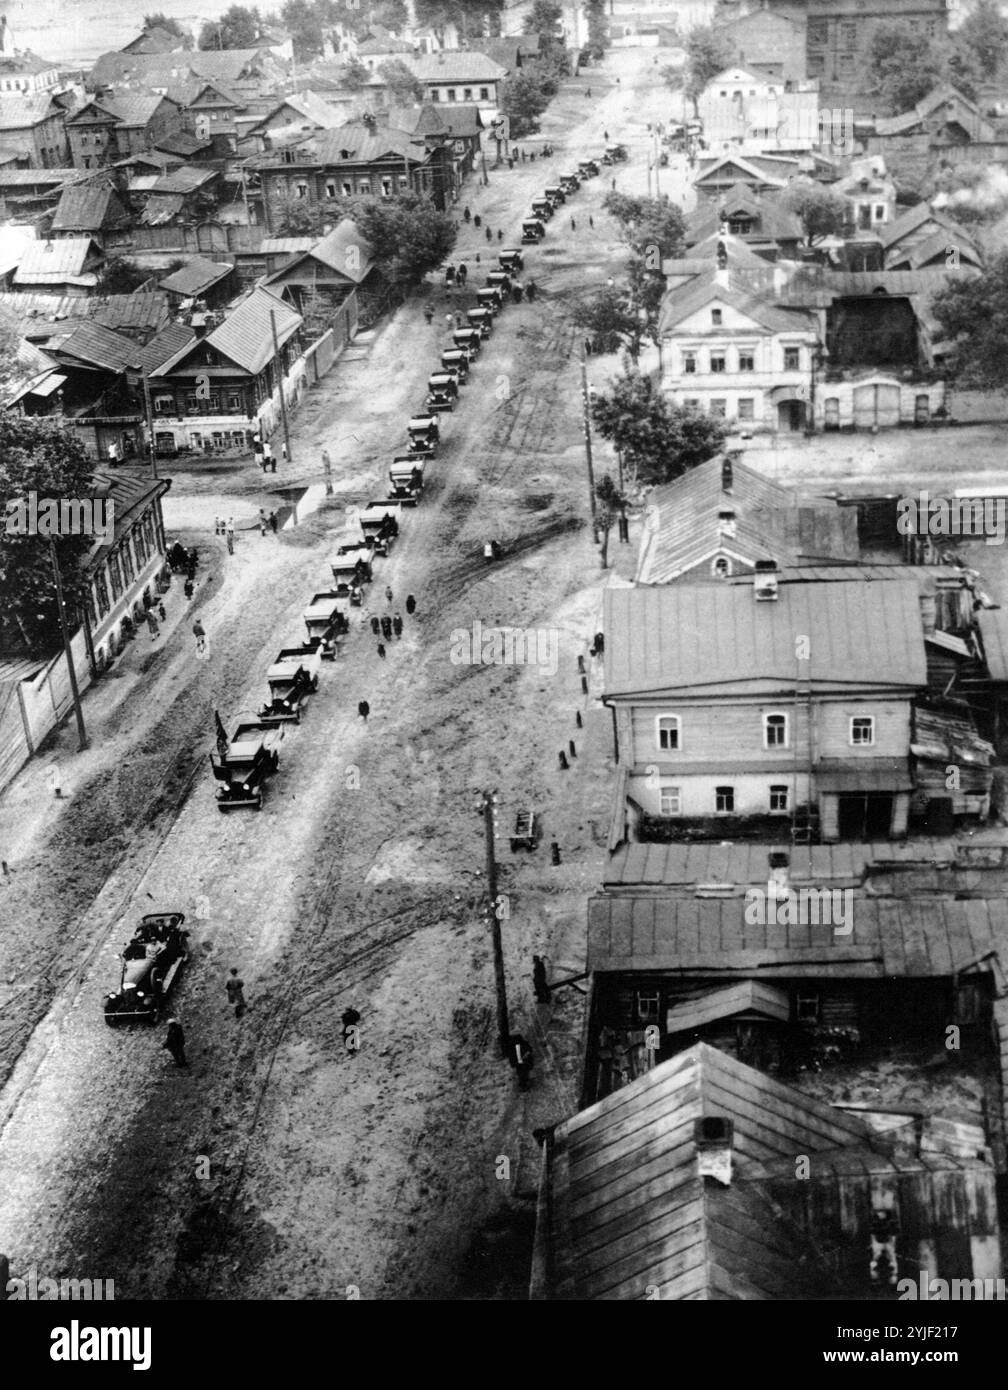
(715, 318)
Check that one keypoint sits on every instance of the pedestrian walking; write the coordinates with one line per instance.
(477, 258)
(376, 626)
(363, 709)
(500, 234)
(230, 542)
(397, 625)
(283, 453)
(410, 604)
(230, 526)
(199, 632)
(530, 290)
(152, 624)
(236, 992)
(161, 612)
(517, 290)
(573, 225)
(187, 588)
(386, 626)
(262, 525)
(614, 185)
(587, 347)
(217, 525)
(175, 1042)
(477, 221)
(388, 595)
(326, 463)
(489, 234)
(463, 273)
(381, 650)
(523, 156)
(458, 320)
(591, 220)
(428, 313)
(467, 215)
(605, 136)
(520, 1054)
(274, 522)
(539, 982)
(349, 1019)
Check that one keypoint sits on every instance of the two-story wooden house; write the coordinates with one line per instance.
(764, 702)
(106, 130)
(737, 357)
(34, 125)
(461, 75)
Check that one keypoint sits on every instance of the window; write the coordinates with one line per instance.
(435, 95)
(450, 94)
(648, 1005)
(101, 593)
(364, 186)
(386, 187)
(746, 408)
(775, 731)
(778, 799)
(301, 189)
(724, 799)
(719, 409)
(845, 64)
(670, 801)
(234, 400)
(467, 94)
(807, 1007)
(862, 730)
(669, 728)
(746, 362)
(689, 363)
(403, 181)
(792, 359)
(691, 403)
(715, 318)
(115, 576)
(848, 36)
(330, 188)
(346, 188)
(126, 556)
(721, 568)
(879, 212)
(717, 361)
(164, 405)
(140, 546)
(484, 94)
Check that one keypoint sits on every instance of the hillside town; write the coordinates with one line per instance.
(504, 654)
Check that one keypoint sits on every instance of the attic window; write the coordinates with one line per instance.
(715, 317)
(713, 1129)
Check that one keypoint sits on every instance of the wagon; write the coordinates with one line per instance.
(532, 230)
(555, 194)
(442, 392)
(511, 259)
(490, 298)
(292, 677)
(406, 479)
(423, 434)
(456, 362)
(326, 618)
(150, 962)
(242, 771)
(467, 340)
(481, 320)
(526, 831)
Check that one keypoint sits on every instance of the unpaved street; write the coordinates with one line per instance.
(361, 881)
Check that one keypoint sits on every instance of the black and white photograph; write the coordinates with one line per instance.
(504, 663)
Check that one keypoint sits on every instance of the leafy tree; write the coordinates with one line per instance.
(163, 21)
(238, 27)
(660, 441)
(355, 76)
(542, 19)
(903, 65)
(610, 320)
(392, 14)
(43, 456)
(821, 211)
(598, 28)
(648, 222)
(962, 67)
(306, 24)
(973, 313)
(611, 506)
(984, 32)
(403, 84)
(296, 217)
(523, 99)
(119, 275)
(707, 54)
(407, 235)
(472, 18)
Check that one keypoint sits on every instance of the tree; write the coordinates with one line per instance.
(542, 19)
(407, 235)
(598, 29)
(707, 54)
(119, 275)
(610, 320)
(611, 506)
(821, 211)
(306, 25)
(172, 26)
(41, 456)
(660, 441)
(392, 14)
(238, 27)
(472, 18)
(355, 75)
(295, 217)
(648, 222)
(984, 32)
(973, 314)
(523, 100)
(903, 65)
(403, 84)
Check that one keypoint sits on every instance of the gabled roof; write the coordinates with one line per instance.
(193, 93)
(681, 304)
(23, 110)
(373, 46)
(134, 108)
(910, 221)
(94, 346)
(749, 997)
(162, 209)
(343, 250)
(455, 65)
(40, 315)
(195, 277)
(88, 208)
(774, 223)
(47, 262)
(363, 145)
(173, 339)
(245, 337)
(719, 639)
(761, 168)
(154, 40)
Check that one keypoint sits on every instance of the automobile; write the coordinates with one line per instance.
(555, 193)
(467, 340)
(511, 259)
(499, 280)
(406, 479)
(292, 677)
(353, 560)
(424, 433)
(327, 618)
(490, 298)
(480, 319)
(588, 168)
(380, 523)
(615, 154)
(442, 392)
(151, 960)
(250, 759)
(456, 361)
(542, 208)
(570, 183)
(532, 230)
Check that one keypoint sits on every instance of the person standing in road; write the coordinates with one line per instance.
(152, 624)
(605, 136)
(410, 604)
(199, 633)
(230, 542)
(175, 1042)
(428, 313)
(530, 291)
(591, 220)
(489, 234)
(187, 588)
(376, 625)
(381, 650)
(388, 595)
(573, 225)
(386, 627)
(274, 522)
(363, 709)
(539, 981)
(236, 992)
(614, 185)
(397, 625)
(283, 453)
(521, 1058)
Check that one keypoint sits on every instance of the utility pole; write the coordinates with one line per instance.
(278, 368)
(586, 402)
(657, 162)
(82, 742)
(489, 821)
(150, 426)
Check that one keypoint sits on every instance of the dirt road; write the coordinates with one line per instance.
(278, 1164)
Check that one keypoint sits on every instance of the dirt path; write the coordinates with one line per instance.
(360, 882)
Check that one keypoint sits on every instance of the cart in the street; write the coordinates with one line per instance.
(251, 759)
(380, 523)
(406, 479)
(456, 361)
(442, 392)
(588, 168)
(150, 962)
(511, 259)
(570, 183)
(352, 563)
(327, 618)
(424, 433)
(293, 676)
(526, 831)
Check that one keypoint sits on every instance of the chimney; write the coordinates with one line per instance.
(765, 581)
(727, 475)
(713, 1135)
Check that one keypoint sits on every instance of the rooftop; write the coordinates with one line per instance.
(455, 65)
(195, 277)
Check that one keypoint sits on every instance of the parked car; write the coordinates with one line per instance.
(468, 340)
(327, 618)
(292, 677)
(150, 962)
(570, 183)
(424, 434)
(588, 168)
(542, 208)
(481, 320)
(456, 361)
(406, 478)
(442, 392)
(532, 230)
(243, 770)
(490, 298)
(499, 280)
(511, 259)
(556, 194)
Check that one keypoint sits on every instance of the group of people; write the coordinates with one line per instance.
(175, 1040)
(385, 626)
(263, 452)
(272, 521)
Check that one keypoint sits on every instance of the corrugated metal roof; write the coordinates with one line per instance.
(778, 314)
(26, 109)
(38, 314)
(924, 937)
(88, 208)
(133, 108)
(197, 275)
(455, 65)
(96, 346)
(719, 638)
(164, 345)
(993, 623)
(51, 261)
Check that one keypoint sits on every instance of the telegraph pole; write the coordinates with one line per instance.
(278, 367)
(586, 402)
(489, 821)
(82, 742)
(150, 426)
